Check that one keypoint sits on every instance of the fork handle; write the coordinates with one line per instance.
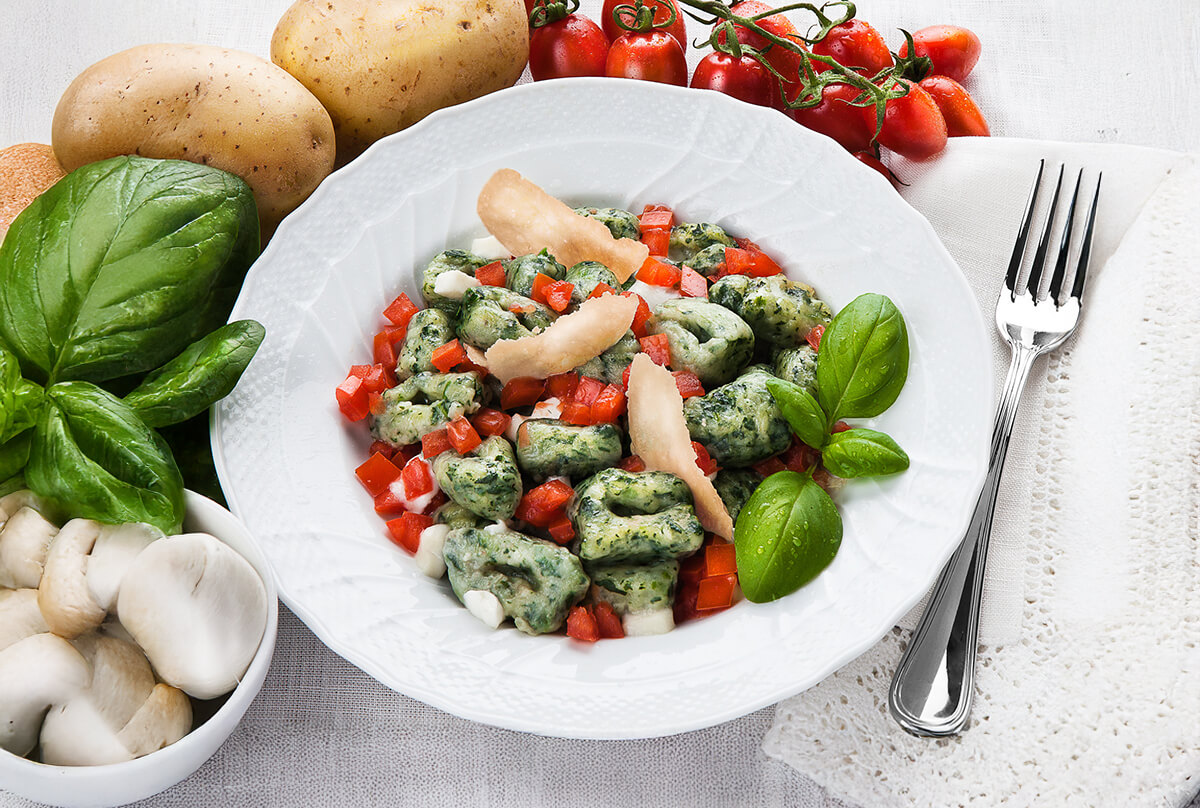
(935, 681)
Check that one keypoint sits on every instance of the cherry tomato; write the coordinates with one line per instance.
(913, 126)
(742, 78)
(958, 108)
(662, 13)
(868, 159)
(572, 46)
(854, 44)
(650, 56)
(851, 126)
(786, 63)
(953, 50)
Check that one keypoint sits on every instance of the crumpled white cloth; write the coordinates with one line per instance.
(1088, 689)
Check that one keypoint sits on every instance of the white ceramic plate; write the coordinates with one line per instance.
(286, 457)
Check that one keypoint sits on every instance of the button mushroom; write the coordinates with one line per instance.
(63, 594)
(115, 550)
(35, 674)
(24, 541)
(20, 616)
(198, 609)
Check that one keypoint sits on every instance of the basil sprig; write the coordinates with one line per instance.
(790, 530)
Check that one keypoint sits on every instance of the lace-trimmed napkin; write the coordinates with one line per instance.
(1088, 687)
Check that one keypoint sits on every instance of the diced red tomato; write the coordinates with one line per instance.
(658, 241)
(685, 600)
(406, 531)
(602, 289)
(521, 392)
(607, 621)
(360, 370)
(632, 463)
(625, 377)
(462, 435)
(541, 282)
(749, 262)
(587, 390)
(769, 466)
(395, 333)
(445, 357)
(400, 311)
(692, 283)
(377, 474)
(544, 504)
(703, 459)
(656, 273)
(435, 442)
(720, 559)
(558, 295)
(562, 385)
(384, 351)
(814, 336)
(561, 530)
(799, 457)
(375, 404)
(491, 274)
(688, 383)
(581, 624)
(658, 348)
(417, 477)
(388, 504)
(489, 422)
(657, 217)
(691, 569)
(841, 426)
(609, 405)
(436, 501)
(375, 379)
(640, 316)
(381, 447)
(577, 413)
(352, 398)
(715, 593)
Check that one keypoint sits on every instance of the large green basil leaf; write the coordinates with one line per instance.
(785, 535)
(16, 483)
(863, 359)
(204, 373)
(14, 454)
(121, 264)
(801, 410)
(94, 457)
(863, 453)
(20, 400)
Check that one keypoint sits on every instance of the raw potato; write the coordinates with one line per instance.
(214, 106)
(26, 170)
(379, 66)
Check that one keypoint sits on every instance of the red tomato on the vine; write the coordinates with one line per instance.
(868, 159)
(572, 46)
(743, 78)
(953, 50)
(784, 62)
(662, 13)
(650, 56)
(851, 126)
(854, 44)
(958, 108)
(913, 126)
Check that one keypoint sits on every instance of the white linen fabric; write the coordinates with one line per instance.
(324, 733)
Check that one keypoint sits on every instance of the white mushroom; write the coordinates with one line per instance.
(63, 595)
(20, 616)
(24, 541)
(115, 550)
(35, 674)
(11, 503)
(198, 609)
(122, 715)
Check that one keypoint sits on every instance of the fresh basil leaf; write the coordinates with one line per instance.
(801, 410)
(15, 483)
(93, 456)
(14, 454)
(785, 535)
(121, 264)
(863, 453)
(20, 400)
(204, 373)
(863, 359)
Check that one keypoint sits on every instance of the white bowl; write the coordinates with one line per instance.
(121, 783)
(286, 458)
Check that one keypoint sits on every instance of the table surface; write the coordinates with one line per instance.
(323, 732)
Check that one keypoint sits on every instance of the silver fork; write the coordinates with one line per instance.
(934, 683)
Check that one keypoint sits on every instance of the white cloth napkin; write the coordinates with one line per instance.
(1088, 688)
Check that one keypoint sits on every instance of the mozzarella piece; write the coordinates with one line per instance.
(454, 284)
(485, 606)
(654, 295)
(489, 247)
(647, 623)
(429, 551)
(499, 526)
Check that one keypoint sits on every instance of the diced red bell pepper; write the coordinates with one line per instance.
(657, 217)
(632, 463)
(400, 311)
(445, 357)
(561, 530)
(841, 426)
(377, 474)
(463, 436)
(577, 413)
(587, 390)
(384, 351)
(657, 241)
(658, 348)
(607, 621)
(688, 383)
(769, 466)
(601, 289)
(640, 316)
(581, 624)
(521, 392)
(558, 295)
(656, 273)
(417, 477)
(704, 459)
(381, 447)
(692, 283)
(541, 283)
(720, 559)
(814, 336)
(406, 531)
(388, 504)
(715, 593)
(489, 422)
(562, 385)
(435, 442)
(352, 398)
(491, 274)
(609, 405)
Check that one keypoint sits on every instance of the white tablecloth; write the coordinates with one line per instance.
(324, 733)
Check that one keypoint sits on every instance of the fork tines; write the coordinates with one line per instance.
(1057, 278)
